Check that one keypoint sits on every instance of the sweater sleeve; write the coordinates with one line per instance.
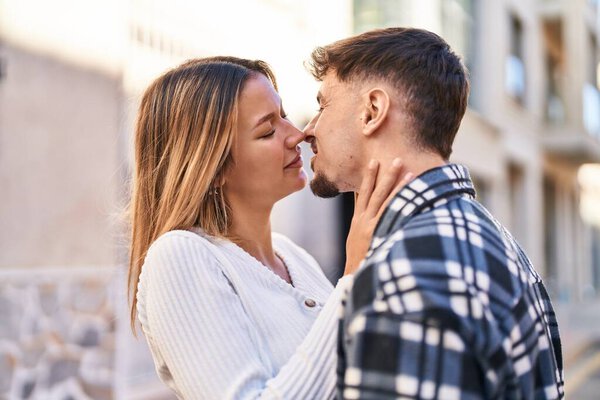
(199, 325)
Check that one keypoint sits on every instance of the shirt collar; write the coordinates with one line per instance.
(425, 190)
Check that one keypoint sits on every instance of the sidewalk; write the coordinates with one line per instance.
(579, 326)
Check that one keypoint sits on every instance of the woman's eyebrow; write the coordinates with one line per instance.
(264, 119)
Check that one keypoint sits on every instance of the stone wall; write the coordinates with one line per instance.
(58, 333)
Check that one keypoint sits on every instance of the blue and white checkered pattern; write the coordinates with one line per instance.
(447, 305)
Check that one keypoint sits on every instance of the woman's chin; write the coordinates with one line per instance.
(302, 180)
(293, 184)
(299, 184)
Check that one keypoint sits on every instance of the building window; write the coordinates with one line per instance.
(591, 90)
(515, 80)
(374, 14)
(555, 108)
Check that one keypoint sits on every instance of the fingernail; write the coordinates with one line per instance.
(397, 162)
(372, 164)
(409, 176)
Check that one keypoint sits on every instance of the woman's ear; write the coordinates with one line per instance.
(220, 180)
(375, 110)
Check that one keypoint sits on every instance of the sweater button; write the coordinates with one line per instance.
(310, 303)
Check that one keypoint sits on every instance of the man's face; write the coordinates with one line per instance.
(335, 137)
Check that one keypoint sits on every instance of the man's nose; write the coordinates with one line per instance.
(309, 130)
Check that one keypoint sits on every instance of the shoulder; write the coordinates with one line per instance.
(443, 231)
(176, 245)
(413, 271)
(175, 263)
(417, 292)
(177, 238)
(178, 255)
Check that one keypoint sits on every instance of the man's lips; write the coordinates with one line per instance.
(313, 147)
(296, 162)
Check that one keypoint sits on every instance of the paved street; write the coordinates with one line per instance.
(586, 379)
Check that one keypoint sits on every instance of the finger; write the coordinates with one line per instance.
(384, 187)
(366, 187)
(406, 179)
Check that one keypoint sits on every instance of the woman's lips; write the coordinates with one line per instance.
(296, 162)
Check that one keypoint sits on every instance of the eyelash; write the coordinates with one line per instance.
(268, 134)
(271, 133)
(320, 110)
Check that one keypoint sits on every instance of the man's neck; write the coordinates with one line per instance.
(416, 162)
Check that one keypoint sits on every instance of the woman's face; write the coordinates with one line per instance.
(267, 165)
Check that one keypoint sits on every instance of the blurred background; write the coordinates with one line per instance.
(71, 74)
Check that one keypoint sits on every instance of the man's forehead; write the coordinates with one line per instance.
(329, 86)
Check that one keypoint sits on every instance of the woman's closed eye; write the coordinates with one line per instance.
(268, 134)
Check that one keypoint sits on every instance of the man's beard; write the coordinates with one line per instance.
(323, 187)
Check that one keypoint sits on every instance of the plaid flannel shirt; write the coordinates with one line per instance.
(446, 305)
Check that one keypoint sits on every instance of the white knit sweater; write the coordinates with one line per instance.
(221, 325)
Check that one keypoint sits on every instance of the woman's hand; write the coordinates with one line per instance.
(369, 204)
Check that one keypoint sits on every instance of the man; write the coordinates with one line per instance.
(446, 304)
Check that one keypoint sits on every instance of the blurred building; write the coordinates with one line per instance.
(71, 74)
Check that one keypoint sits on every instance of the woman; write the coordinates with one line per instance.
(229, 309)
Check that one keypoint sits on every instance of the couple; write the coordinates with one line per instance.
(437, 300)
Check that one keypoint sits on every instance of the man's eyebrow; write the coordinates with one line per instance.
(264, 119)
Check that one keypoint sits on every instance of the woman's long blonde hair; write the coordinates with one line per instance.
(184, 134)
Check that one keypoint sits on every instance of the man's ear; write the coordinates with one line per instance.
(375, 110)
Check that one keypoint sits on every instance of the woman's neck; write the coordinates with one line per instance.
(251, 230)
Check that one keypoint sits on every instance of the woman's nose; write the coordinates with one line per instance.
(295, 137)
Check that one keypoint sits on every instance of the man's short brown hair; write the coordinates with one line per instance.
(430, 77)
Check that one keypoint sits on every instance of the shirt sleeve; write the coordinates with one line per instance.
(389, 356)
(199, 325)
